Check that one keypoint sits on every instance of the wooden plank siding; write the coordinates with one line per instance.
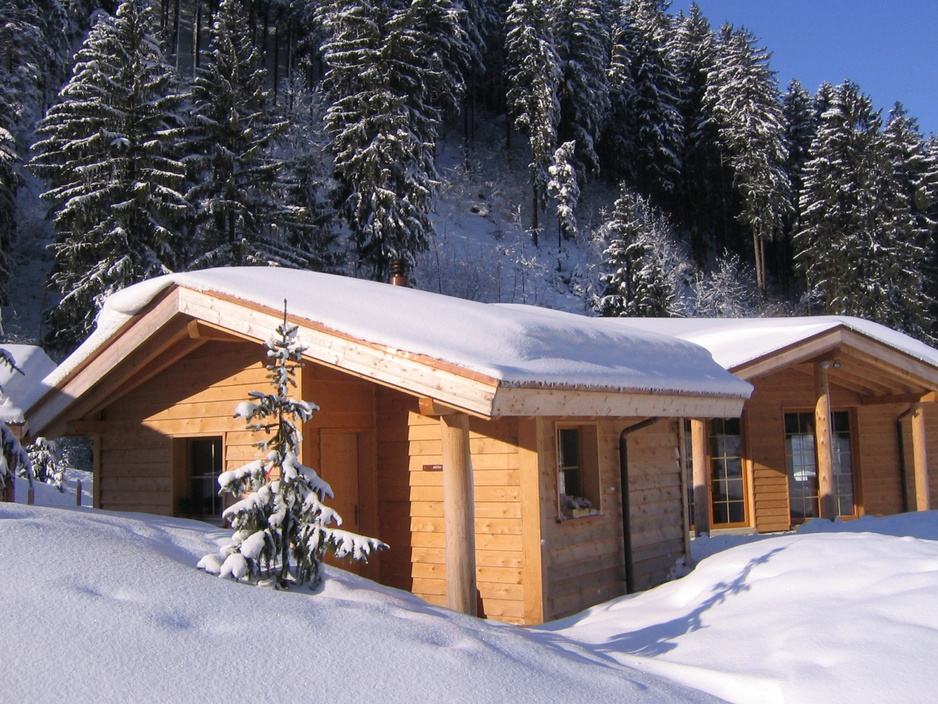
(584, 557)
(194, 397)
(876, 459)
(410, 490)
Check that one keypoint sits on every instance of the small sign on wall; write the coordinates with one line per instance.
(433, 468)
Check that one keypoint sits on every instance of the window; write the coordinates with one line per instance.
(801, 460)
(199, 494)
(577, 471)
(727, 482)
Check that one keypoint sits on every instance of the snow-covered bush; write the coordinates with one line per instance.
(281, 512)
(46, 463)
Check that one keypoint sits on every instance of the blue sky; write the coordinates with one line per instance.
(888, 47)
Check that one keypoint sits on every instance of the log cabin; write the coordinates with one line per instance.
(522, 463)
(837, 426)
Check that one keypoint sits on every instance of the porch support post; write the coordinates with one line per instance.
(698, 439)
(459, 514)
(919, 458)
(822, 442)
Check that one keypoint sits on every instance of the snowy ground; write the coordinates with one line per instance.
(109, 607)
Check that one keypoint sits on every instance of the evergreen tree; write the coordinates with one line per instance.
(534, 74)
(636, 282)
(9, 181)
(281, 519)
(229, 145)
(107, 151)
(742, 99)
(14, 461)
(701, 204)
(856, 246)
(32, 64)
(646, 134)
(800, 121)
(563, 188)
(583, 46)
(392, 69)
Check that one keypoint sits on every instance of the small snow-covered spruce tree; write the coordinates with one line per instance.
(281, 513)
(13, 458)
(47, 467)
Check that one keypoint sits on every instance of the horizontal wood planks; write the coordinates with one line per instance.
(584, 557)
(411, 506)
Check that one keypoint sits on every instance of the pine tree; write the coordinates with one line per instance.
(583, 47)
(534, 74)
(9, 182)
(645, 133)
(856, 246)
(229, 143)
(282, 525)
(14, 461)
(800, 121)
(700, 204)
(563, 188)
(391, 70)
(636, 282)
(742, 99)
(107, 152)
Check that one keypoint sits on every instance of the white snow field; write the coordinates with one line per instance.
(108, 607)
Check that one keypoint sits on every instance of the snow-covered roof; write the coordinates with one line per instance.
(735, 342)
(515, 345)
(20, 391)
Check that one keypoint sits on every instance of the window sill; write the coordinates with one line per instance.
(579, 514)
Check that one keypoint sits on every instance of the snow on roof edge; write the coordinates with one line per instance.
(516, 344)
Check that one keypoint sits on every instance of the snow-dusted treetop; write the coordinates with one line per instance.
(517, 345)
(734, 342)
(20, 391)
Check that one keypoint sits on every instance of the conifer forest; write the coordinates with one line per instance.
(607, 156)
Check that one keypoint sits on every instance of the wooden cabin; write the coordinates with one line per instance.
(841, 423)
(492, 447)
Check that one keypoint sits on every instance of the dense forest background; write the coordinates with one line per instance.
(598, 155)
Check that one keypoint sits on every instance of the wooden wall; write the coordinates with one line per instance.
(584, 557)
(194, 397)
(531, 567)
(876, 447)
(410, 491)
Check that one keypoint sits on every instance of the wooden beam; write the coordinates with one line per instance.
(822, 441)
(531, 454)
(557, 402)
(920, 458)
(459, 514)
(698, 438)
(897, 399)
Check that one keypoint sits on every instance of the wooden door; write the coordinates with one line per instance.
(338, 465)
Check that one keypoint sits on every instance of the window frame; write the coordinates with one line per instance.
(838, 474)
(742, 458)
(586, 468)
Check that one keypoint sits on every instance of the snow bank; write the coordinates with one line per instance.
(117, 603)
(840, 611)
(847, 614)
